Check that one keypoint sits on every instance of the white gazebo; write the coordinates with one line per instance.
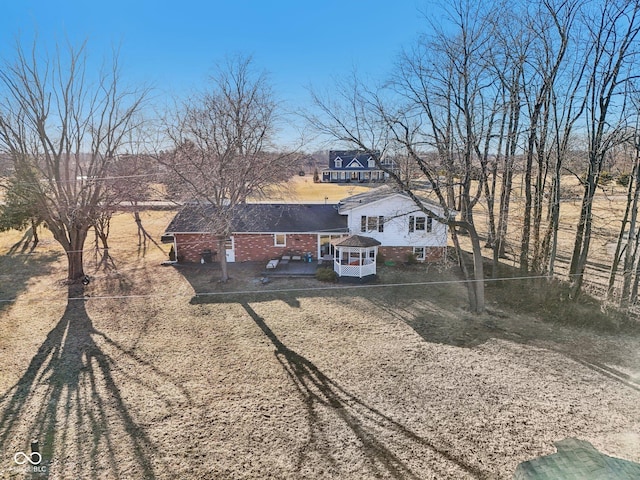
(355, 256)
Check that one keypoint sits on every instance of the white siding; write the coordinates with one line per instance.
(396, 209)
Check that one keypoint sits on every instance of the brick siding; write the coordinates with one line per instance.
(255, 247)
(260, 247)
(248, 247)
(191, 245)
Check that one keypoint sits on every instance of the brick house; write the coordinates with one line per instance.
(260, 232)
(266, 231)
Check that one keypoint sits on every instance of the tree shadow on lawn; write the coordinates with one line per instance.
(438, 314)
(18, 269)
(436, 323)
(381, 439)
(69, 400)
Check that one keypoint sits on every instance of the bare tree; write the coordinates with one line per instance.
(222, 145)
(550, 28)
(131, 180)
(613, 32)
(63, 128)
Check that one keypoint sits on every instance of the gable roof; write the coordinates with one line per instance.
(261, 218)
(355, 163)
(382, 193)
(352, 159)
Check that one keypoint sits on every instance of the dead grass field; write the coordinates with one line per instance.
(161, 372)
(304, 189)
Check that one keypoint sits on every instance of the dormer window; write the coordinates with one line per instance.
(338, 162)
(371, 163)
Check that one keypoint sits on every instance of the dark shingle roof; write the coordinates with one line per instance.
(262, 218)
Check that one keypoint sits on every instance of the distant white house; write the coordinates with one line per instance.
(392, 218)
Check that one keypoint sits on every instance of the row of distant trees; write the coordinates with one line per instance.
(495, 91)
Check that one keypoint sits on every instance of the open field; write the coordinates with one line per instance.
(161, 372)
(303, 189)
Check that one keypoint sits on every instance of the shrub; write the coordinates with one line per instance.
(412, 259)
(380, 259)
(624, 179)
(326, 275)
(550, 302)
(605, 177)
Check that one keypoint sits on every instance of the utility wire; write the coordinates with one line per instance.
(290, 290)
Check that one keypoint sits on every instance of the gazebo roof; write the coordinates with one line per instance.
(357, 241)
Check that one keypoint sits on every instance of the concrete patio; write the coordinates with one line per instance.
(292, 268)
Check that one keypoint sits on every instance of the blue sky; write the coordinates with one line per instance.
(174, 45)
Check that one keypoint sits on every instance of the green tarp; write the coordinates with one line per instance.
(577, 460)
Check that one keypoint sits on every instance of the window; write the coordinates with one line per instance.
(371, 163)
(419, 253)
(420, 224)
(371, 224)
(338, 163)
(280, 240)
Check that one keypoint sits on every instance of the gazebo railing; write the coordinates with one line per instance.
(355, 270)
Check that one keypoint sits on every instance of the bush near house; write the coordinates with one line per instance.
(326, 275)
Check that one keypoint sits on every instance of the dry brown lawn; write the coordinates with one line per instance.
(304, 189)
(162, 372)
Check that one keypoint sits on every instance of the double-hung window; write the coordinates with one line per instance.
(420, 224)
(371, 224)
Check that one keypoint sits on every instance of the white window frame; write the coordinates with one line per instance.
(338, 163)
(427, 225)
(420, 257)
(275, 240)
(371, 163)
(371, 223)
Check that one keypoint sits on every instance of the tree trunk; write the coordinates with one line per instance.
(583, 232)
(554, 220)
(478, 269)
(75, 255)
(475, 284)
(617, 256)
(630, 254)
(224, 272)
(34, 229)
(471, 293)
